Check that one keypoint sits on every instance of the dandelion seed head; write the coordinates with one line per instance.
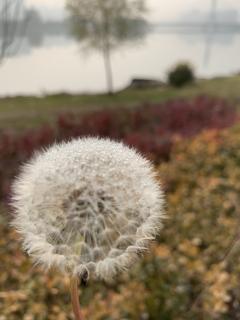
(89, 207)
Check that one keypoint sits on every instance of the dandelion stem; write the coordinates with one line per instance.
(75, 298)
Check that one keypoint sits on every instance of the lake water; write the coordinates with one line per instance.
(58, 65)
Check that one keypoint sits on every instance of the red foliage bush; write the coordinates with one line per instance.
(151, 129)
(14, 150)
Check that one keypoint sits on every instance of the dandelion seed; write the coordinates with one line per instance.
(88, 207)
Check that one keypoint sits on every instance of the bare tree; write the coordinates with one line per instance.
(11, 26)
(104, 25)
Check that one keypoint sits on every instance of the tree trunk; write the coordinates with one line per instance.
(108, 70)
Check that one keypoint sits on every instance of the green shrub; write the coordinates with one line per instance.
(181, 75)
(202, 181)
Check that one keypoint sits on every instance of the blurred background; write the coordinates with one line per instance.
(206, 34)
(163, 77)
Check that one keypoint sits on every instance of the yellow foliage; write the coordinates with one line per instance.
(193, 272)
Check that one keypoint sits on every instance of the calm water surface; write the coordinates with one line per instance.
(58, 65)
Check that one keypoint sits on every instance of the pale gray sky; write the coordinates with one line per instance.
(159, 9)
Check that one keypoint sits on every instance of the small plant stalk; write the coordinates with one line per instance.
(226, 257)
(75, 298)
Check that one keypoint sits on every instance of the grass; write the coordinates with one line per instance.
(20, 113)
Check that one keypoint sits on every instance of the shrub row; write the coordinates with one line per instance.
(152, 129)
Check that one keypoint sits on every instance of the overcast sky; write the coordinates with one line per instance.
(159, 9)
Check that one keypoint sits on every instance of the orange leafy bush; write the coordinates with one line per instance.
(193, 272)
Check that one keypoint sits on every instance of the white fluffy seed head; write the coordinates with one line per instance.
(88, 207)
